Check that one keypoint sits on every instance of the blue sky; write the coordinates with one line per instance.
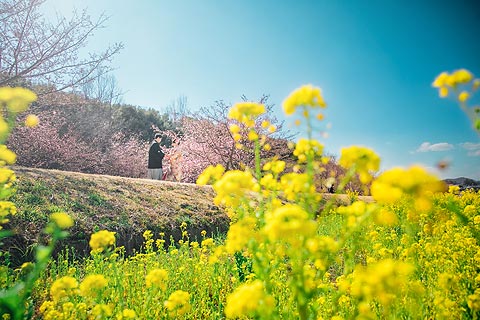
(374, 60)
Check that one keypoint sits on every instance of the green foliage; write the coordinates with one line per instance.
(135, 120)
(94, 122)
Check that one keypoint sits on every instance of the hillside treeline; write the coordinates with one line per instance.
(79, 134)
(88, 136)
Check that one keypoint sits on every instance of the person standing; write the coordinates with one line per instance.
(155, 159)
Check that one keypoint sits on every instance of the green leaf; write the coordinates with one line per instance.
(5, 233)
(43, 253)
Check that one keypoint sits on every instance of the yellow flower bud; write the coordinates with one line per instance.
(252, 136)
(62, 220)
(463, 96)
(440, 80)
(32, 121)
(234, 128)
(7, 155)
(443, 92)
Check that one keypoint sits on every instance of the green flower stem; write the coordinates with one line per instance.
(257, 161)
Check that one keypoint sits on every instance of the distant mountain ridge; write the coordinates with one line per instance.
(464, 183)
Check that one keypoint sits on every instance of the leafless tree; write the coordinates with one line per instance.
(39, 52)
(177, 109)
(104, 88)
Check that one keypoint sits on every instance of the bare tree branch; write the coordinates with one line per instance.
(39, 52)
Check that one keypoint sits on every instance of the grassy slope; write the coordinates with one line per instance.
(124, 205)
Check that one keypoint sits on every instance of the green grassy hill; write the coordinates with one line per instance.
(124, 205)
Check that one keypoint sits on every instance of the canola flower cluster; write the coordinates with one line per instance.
(290, 254)
(289, 266)
(101, 240)
(13, 101)
(462, 84)
(151, 284)
(378, 273)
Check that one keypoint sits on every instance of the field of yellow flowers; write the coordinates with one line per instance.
(413, 253)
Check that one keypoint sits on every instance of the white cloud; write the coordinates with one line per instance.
(473, 148)
(470, 146)
(427, 147)
(475, 153)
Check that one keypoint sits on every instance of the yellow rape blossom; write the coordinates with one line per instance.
(454, 189)
(307, 96)
(275, 166)
(157, 278)
(463, 96)
(252, 135)
(440, 80)
(7, 176)
(381, 281)
(232, 187)
(247, 300)
(208, 242)
(234, 128)
(357, 208)
(307, 148)
(415, 181)
(246, 112)
(63, 287)
(210, 174)
(385, 217)
(290, 223)
(443, 92)
(6, 208)
(365, 161)
(474, 301)
(62, 220)
(7, 156)
(269, 182)
(444, 81)
(239, 234)
(101, 240)
(461, 76)
(101, 311)
(32, 121)
(92, 284)
(16, 99)
(295, 185)
(128, 314)
(178, 303)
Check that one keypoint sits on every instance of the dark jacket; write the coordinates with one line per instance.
(155, 156)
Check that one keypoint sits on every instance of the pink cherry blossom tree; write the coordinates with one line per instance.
(207, 140)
